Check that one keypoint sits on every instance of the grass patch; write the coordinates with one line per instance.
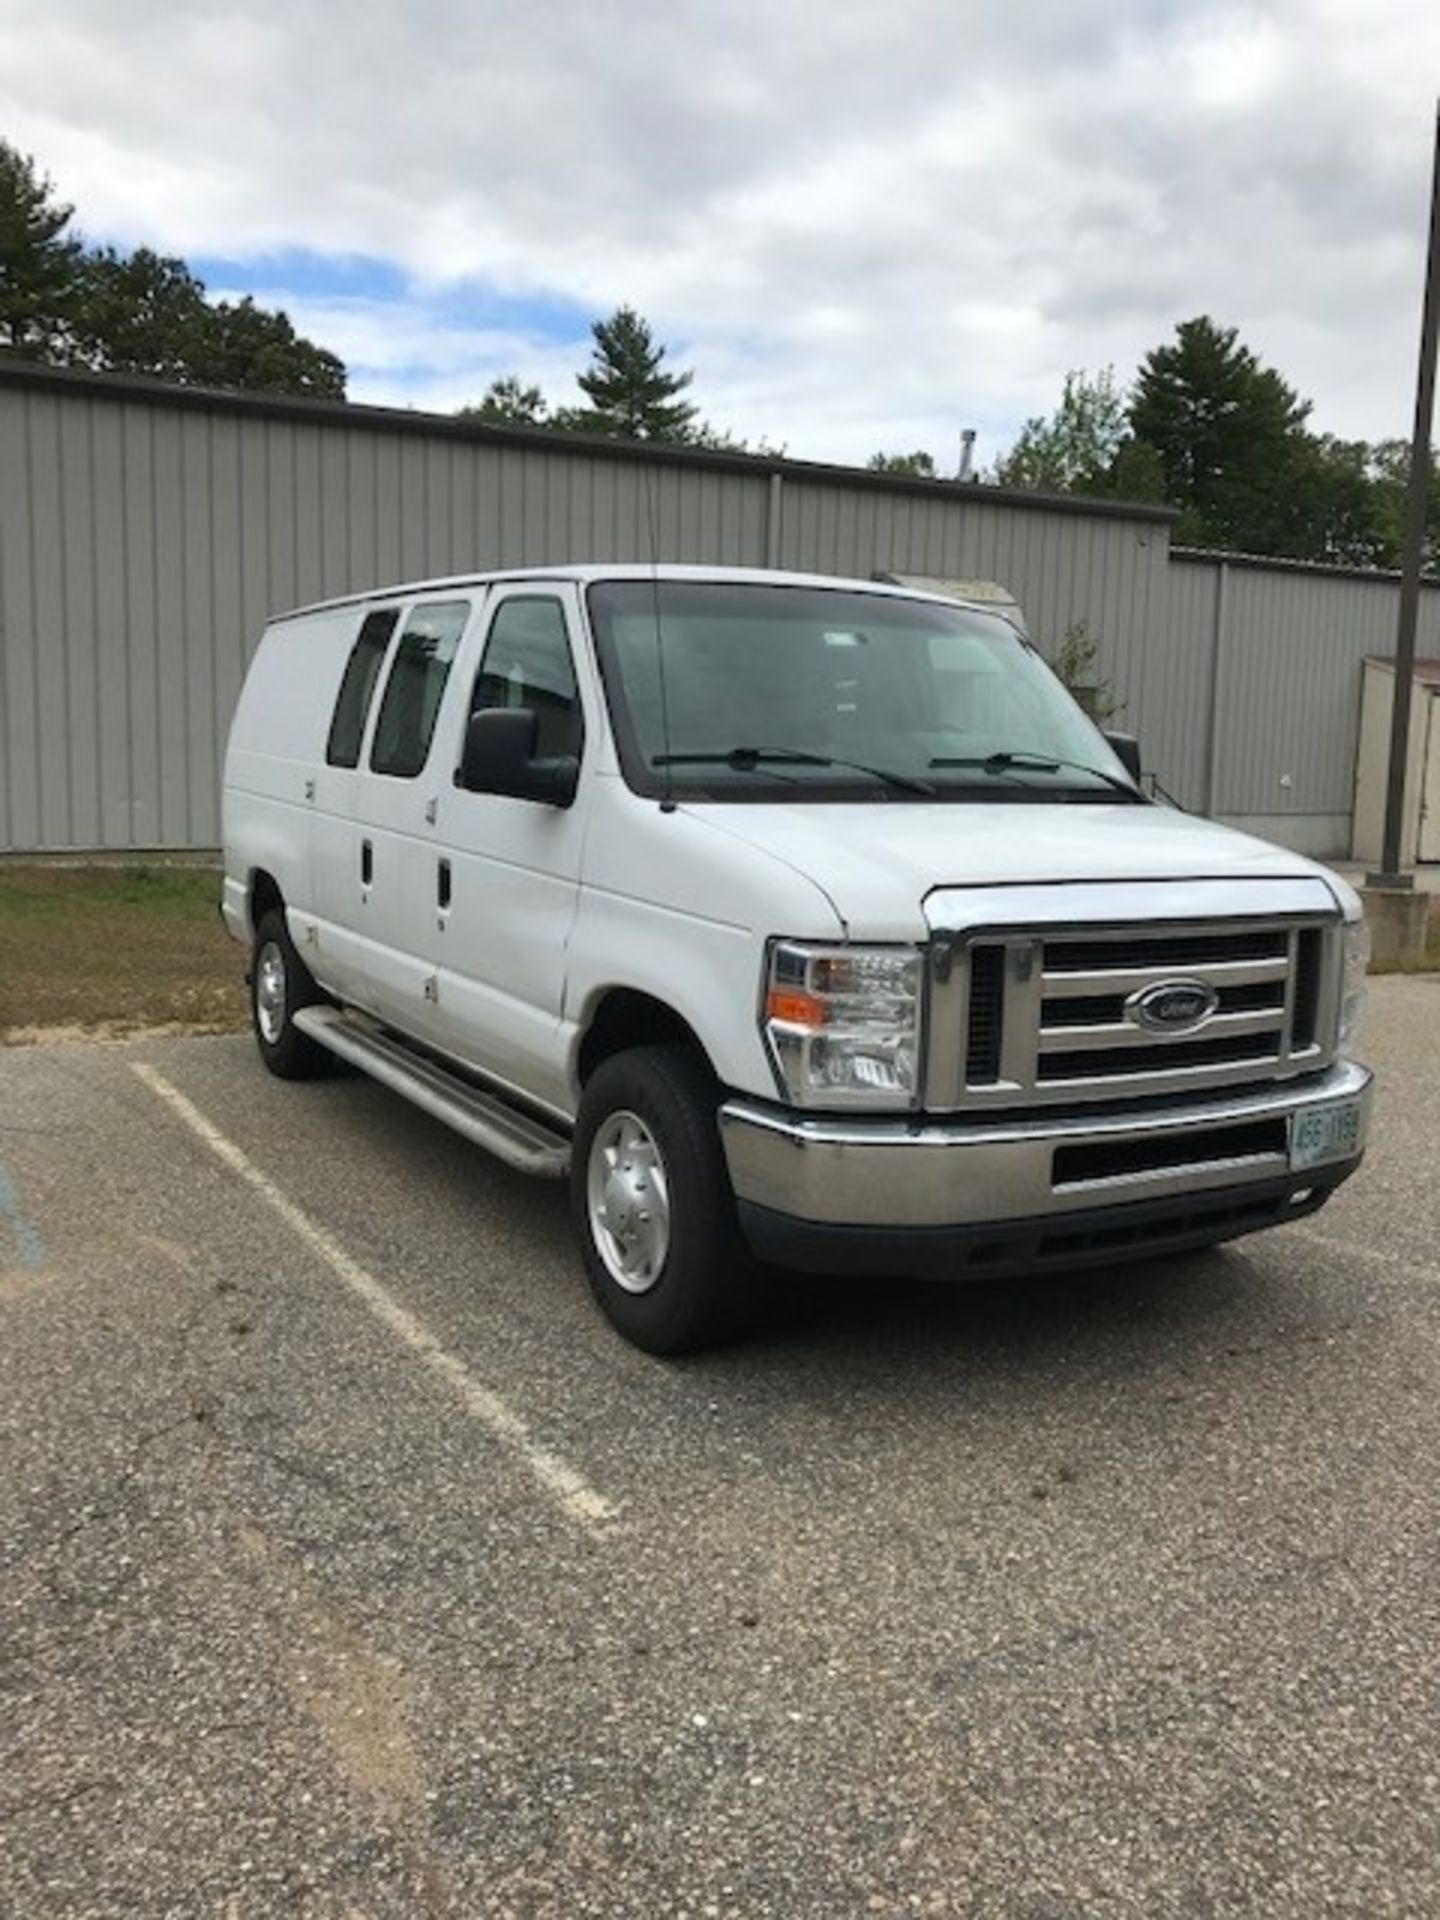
(114, 950)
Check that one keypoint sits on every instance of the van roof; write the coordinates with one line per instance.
(584, 575)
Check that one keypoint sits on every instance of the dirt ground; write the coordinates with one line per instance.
(105, 951)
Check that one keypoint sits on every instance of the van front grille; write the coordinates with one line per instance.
(987, 1013)
(1127, 1062)
(1307, 986)
(1063, 1013)
(1105, 1009)
(1115, 1160)
(1082, 954)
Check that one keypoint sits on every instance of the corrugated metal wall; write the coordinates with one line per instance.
(1281, 647)
(1174, 719)
(145, 536)
(141, 549)
(1107, 571)
(144, 539)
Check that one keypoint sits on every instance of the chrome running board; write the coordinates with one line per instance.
(510, 1135)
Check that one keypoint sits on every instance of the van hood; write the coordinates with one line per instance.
(879, 861)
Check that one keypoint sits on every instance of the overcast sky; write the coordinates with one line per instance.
(864, 225)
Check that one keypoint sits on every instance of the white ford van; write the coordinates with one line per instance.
(797, 921)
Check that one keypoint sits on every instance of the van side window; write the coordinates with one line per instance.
(527, 664)
(362, 670)
(415, 688)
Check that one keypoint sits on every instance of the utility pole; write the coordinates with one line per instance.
(1392, 872)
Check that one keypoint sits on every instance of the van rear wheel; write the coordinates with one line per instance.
(653, 1205)
(280, 984)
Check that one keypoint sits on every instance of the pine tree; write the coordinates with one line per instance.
(138, 313)
(1230, 436)
(38, 261)
(630, 393)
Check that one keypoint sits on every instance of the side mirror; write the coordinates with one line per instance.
(499, 757)
(1126, 749)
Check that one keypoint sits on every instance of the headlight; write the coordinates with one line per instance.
(1356, 958)
(843, 1023)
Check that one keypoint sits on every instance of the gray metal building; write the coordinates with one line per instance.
(147, 531)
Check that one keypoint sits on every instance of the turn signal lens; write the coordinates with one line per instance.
(795, 1009)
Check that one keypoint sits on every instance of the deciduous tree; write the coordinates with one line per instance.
(1076, 448)
(257, 349)
(508, 402)
(141, 313)
(919, 465)
(1389, 470)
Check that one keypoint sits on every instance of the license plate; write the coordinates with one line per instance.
(1321, 1134)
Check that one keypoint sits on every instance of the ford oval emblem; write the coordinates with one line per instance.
(1172, 1006)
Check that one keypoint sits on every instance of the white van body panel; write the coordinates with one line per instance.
(675, 907)
(500, 951)
(396, 841)
(880, 863)
(275, 759)
(339, 948)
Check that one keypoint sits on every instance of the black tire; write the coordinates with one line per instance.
(288, 1053)
(705, 1288)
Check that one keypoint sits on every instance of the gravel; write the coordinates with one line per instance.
(1112, 1594)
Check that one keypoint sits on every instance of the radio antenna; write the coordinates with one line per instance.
(667, 797)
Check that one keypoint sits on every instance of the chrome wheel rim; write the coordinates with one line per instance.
(270, 992)
(628, 1192)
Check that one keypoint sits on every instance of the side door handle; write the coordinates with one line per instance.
(367, 863)
(442, 884)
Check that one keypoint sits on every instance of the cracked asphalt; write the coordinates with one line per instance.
(1115, 1594)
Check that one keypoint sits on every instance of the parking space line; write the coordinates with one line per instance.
(573, 1493)
(29, 1248)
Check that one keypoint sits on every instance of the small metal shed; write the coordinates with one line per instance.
(1420, 823)
(987, 593)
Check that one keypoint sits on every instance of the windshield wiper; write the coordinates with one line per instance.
(748, 759)
(1043, 763)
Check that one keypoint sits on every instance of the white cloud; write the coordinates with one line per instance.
(863, 227)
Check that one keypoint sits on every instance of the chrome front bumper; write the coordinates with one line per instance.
(900, 1174)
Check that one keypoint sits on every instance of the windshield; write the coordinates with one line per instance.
(772, 692)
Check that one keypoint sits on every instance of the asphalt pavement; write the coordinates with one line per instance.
(350, 1567)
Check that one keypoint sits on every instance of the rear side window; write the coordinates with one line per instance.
(362, 670)
(416, 687)
(527, 664)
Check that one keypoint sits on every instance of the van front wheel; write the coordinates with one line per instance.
(280, 984)
(653, 1206)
